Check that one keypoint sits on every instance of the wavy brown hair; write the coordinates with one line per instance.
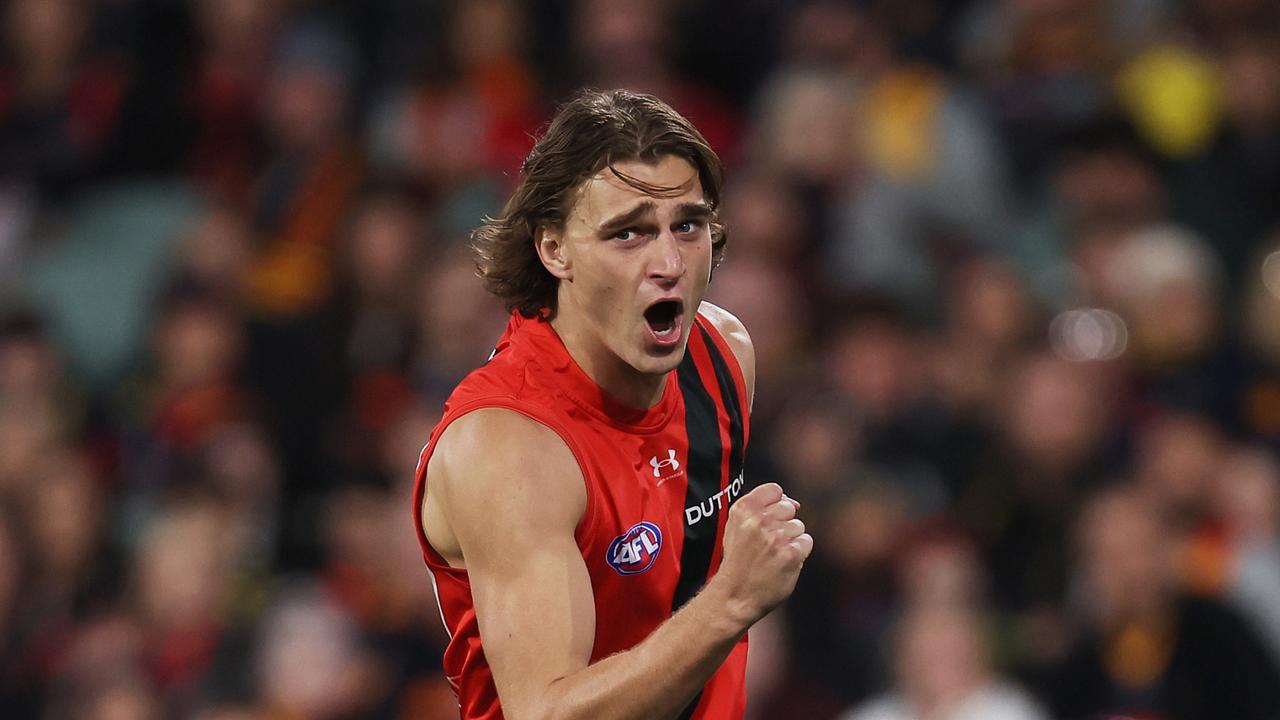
(590, 132)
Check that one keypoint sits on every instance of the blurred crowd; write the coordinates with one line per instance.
(1011, 267)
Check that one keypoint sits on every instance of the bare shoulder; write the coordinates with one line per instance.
(727, 323)
(494, 466)
(735, 334)
(506, 491)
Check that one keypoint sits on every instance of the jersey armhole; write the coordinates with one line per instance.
(586, 525)
(735, 369)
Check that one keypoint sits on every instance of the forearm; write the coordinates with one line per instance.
(661, 675)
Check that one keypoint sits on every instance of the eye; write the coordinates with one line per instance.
(625, 235)
(687, 226)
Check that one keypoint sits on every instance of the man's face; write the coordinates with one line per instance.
(633, 266)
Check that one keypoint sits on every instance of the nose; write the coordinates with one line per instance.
(666, 263)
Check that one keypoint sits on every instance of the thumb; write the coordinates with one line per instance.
(762, 496)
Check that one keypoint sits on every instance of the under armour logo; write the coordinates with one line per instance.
(670, 462)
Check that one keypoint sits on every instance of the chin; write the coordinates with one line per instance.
(661, 365)
(659, 361)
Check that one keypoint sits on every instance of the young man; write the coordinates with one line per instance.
(581, 505)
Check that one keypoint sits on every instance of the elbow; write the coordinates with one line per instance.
(511, 711)
(551, 705)
(562, 700)
(545, 707)
(538, 712)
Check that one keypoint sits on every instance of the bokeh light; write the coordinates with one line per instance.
(1086, 334)
(1271, 273)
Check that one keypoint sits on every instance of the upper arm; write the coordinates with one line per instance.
(735, 334)
(513, 494)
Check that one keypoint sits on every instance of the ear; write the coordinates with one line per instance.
(550, 244)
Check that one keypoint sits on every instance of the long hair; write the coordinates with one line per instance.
(591, 132)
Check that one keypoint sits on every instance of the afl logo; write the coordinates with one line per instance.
(634, 551)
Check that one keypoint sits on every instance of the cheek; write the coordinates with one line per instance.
(605, 295)
(699, 256)
(699, 268)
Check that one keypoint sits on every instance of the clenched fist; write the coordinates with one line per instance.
(765, 546)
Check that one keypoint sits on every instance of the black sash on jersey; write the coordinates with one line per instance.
(706, 453)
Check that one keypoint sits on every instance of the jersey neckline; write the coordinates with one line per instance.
(578, 387)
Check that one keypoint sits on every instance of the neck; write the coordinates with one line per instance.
(618, 379)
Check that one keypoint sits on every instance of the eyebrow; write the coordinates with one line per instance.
(699, 210)
(630, 217)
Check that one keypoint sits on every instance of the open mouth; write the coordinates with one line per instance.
(664, 320)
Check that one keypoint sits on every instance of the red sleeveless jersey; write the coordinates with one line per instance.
(659, 483)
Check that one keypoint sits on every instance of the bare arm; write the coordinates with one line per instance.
(508, 494)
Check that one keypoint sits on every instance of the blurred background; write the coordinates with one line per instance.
(1012, 270)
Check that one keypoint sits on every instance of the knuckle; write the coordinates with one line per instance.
(769, 492)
